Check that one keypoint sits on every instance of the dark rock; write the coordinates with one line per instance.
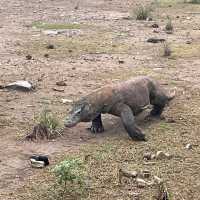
(155, 25)
(46, 55)
(121, 62)
(61, 83)
(41, 158)
(28, 57)
(155, 40)
(58, 89)
(50, 46)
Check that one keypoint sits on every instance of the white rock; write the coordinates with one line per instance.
(65, 101)
(142, 183)
(20, 85)
(161, 155)
(188, 146)
(158, 180)
(37, 164)
(50, 32)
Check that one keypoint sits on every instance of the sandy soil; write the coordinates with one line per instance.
(86, 56)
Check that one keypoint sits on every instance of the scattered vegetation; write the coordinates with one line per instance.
(143, 12)
(169, 25)
(48, 119)
(166, 50)
(46, 127)
(69, 173)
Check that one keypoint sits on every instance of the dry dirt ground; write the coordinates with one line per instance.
(99, 45)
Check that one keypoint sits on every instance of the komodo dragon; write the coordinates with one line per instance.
(125, 100)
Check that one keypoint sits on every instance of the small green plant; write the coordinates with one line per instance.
(169, 25)
(47, 119)
(70, 171)
(166, 50)
(142, 12)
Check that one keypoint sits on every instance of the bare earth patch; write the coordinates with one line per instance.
(96, 43)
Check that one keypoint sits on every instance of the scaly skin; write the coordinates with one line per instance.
(125, 100)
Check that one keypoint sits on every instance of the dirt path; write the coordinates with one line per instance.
(86, 56)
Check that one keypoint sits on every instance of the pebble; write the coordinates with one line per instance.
(161, 155)
(188, 146)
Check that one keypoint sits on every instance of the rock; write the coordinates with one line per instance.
(149, 19)
(121, 62)
(50, 32)
(188, 42)
(61, 83)
(155, 25)
(142, 183)
(65, 101)
(188, 146)
(145, 173)
(28, 57)
(20, 85)
(147, 156)
(58, 89)
(37, 164)
(41, 158)
(46, 55)
(128, 173)
(153, 156)
(50, 46)
(158, 180)
(155, 31)
(155, 40)
(168, 31)
(161, 155)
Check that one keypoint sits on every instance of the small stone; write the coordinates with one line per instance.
(121, 62)
(155, 31)
(61, 83)
(147, 156)
(188, 42)
(50, 46)
(50, 32)
(146, 173)
(28, 57)
(188, 146)
(65, 101)
(155, 40)
(153, 156)
(155, 25)
(149, 19)
(141, 183)
(161, 155)
(158, 180)
(46, 55)
(37, 164)
(58, 89)
(128, 173)
(168, 32)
